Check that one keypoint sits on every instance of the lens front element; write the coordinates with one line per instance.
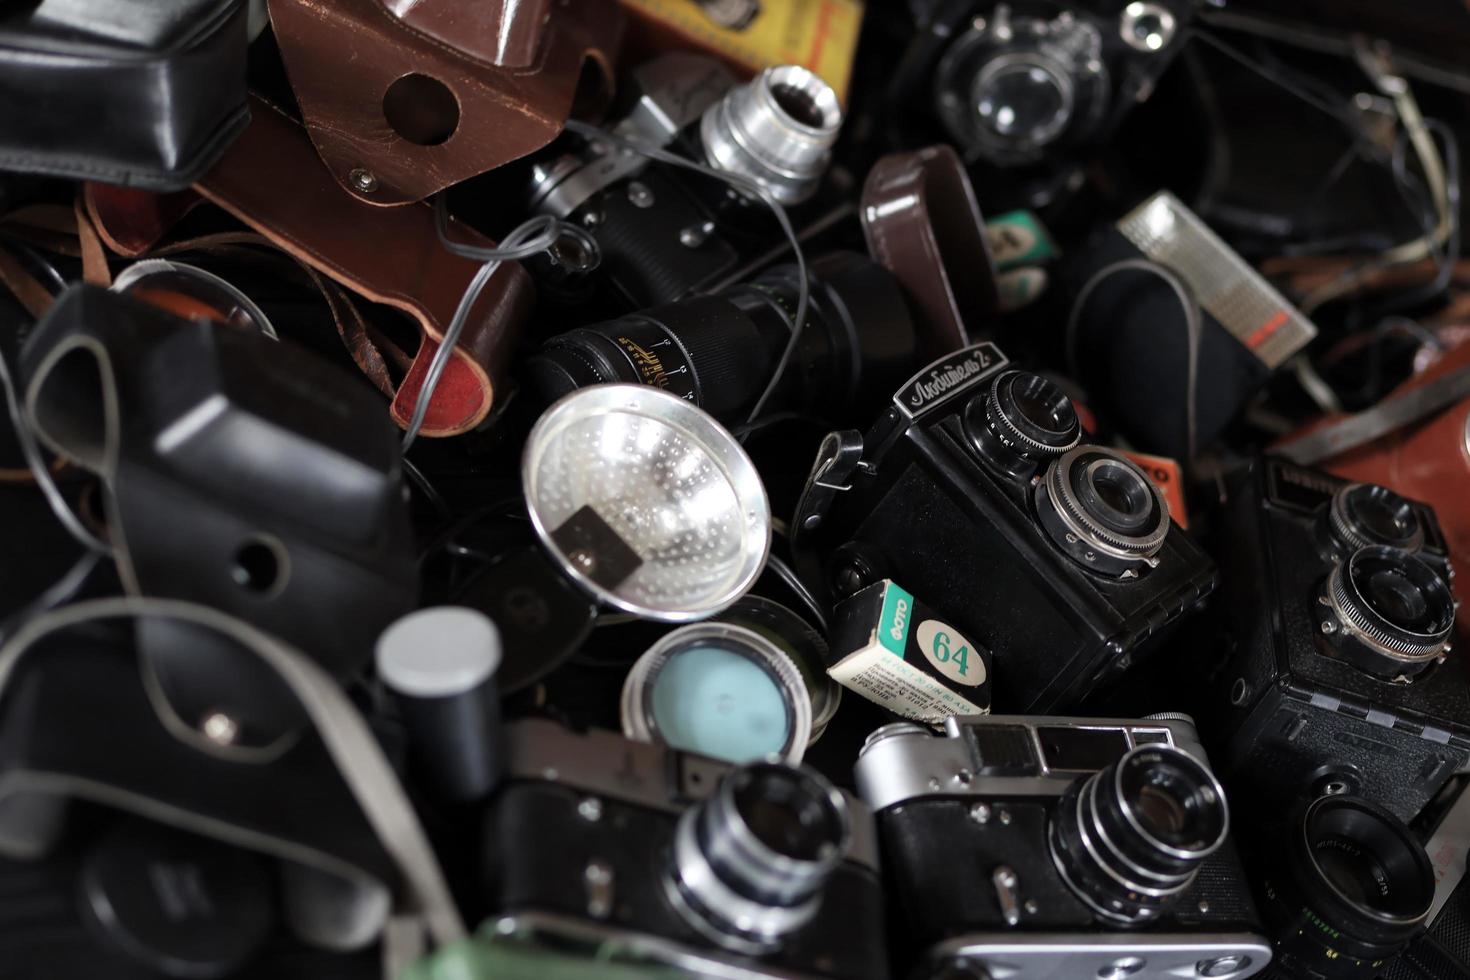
(751, 861)
(1129, 839)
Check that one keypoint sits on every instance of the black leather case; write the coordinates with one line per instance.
(144, 93)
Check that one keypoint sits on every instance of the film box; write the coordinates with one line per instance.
(894, 651)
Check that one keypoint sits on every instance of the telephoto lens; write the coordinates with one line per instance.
(1387, 612)
(720, 351)
(750, 861)
(1129, 839)
(1352, 889)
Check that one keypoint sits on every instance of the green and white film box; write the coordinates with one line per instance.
(893, 650)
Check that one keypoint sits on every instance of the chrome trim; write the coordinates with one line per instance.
(1064, 956)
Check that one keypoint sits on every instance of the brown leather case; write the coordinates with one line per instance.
(274, 182)
(922, 224)
(404, 99)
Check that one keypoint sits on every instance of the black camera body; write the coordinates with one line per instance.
(1030, 82)
(977, 492)
(1318, 691)
(984, 831)
(591, 839)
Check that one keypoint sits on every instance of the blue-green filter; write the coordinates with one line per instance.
(721, 690)
(720, 703)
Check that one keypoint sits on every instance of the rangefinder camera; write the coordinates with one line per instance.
(659, 236)
(1340, 675)
(978, 490)
(601, 847)
(1035, 847)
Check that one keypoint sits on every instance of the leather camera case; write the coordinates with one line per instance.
(143, 93)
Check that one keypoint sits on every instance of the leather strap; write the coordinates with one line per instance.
(923, 224)
(94, 255)
(27, 290)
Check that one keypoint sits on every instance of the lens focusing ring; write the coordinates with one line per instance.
(1108, 857)
(777, 129)
(1065, 512)
(1350, 531)
(1009, 424)
(1398, 650)
(736, 888)
(1317, 920)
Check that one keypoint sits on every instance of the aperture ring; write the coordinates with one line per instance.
(1075, 516)
(1351, 611)
(1005, 429)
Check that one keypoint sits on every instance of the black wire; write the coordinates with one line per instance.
(741, 432)
(62, 591)
(1281, 78)
(788, 575)
(1447, 255)
(427, 489)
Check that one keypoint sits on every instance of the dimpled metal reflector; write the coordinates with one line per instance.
(668, 480)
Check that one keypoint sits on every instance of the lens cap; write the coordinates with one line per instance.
(182, 905)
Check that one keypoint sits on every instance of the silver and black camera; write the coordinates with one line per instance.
(1033, 847)
(661, 235)
(598, 846)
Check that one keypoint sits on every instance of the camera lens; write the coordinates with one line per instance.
(719, 351)
(1129, 838)
(1023, 100)
(1115, 495)
(778, 130)
(1023, 418)
(1363, 514)
(1387, 612)
(750, 862)
(1012, 87)
(1104, 511)
(1355, 889)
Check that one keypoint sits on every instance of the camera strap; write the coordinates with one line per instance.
(1380, 420)
(343, 732)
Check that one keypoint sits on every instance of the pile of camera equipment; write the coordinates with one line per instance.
(733, 488)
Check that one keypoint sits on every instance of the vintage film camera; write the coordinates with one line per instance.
(661, 236)
(1339, 675)
(977, 491)
(1037, 82)
(1036, 847)
(598, 844)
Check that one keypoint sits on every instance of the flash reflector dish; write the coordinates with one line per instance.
(646, 501)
